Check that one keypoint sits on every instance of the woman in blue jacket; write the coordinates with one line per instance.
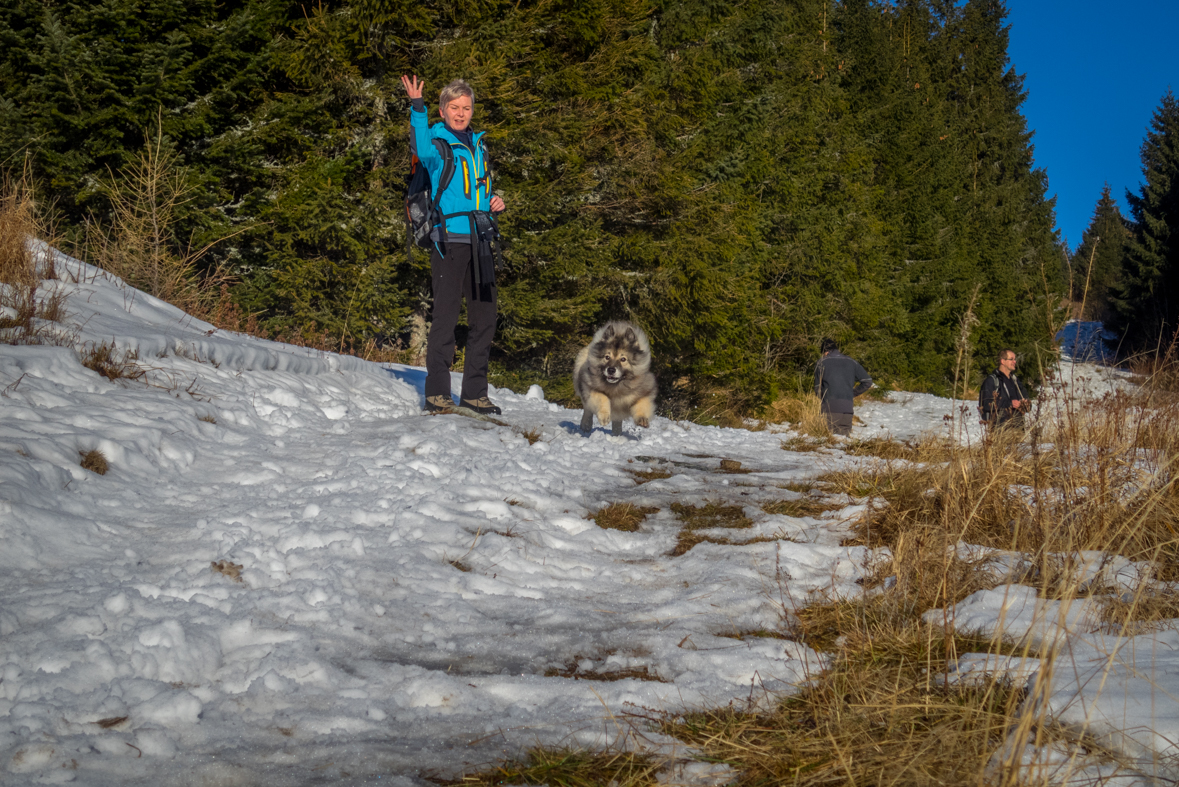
(456, 270)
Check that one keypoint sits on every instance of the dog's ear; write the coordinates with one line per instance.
(608, 332)
(630, 335)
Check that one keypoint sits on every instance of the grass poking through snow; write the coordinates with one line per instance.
(111, 363)
(713, 514)
(571, 768)
(622, 516)
(94, 461)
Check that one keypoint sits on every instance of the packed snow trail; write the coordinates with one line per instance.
(291, 575)
(398, 585)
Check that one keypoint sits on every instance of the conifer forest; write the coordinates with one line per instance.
(741, 179)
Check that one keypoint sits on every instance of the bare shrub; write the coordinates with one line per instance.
(137, 244)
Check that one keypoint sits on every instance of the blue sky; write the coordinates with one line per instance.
(1094, 73)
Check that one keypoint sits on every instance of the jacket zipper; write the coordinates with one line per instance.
(468, 185)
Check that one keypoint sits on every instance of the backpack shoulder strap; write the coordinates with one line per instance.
(993, 376)
(447, 168)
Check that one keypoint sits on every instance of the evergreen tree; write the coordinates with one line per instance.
(1007, 230)
(742, 179)
(1096, 265)
(1148, 298)
(959, 201)
(80, 85)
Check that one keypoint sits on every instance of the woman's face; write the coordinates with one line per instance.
(457, 112)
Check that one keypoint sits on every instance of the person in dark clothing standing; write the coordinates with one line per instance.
(1002, 401)
(838, 381)
(457, 272)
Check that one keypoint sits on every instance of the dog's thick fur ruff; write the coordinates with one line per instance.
(612, 375)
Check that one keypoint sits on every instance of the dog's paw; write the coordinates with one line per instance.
(643, 422)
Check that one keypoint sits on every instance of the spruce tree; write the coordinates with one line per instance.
(1096, 265)
(1148, 299)
(742, 179)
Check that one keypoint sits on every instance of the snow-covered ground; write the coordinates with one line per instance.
(403, 582)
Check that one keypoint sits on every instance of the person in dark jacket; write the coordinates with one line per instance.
(455, 271)
(838, 381)
(1002, 401)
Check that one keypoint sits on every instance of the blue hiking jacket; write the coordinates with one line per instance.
(469, 189)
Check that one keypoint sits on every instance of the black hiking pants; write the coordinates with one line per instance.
(453, 280)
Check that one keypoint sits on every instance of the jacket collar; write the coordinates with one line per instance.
(443, 131)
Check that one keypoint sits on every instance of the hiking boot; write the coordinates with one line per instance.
(439, 404)
(482, 405)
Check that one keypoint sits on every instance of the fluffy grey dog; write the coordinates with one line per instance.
(612, 375)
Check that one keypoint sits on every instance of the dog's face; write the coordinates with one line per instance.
(617, 355)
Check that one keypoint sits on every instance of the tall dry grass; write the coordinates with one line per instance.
(1092, 475)
(27, 308)
(802, 411)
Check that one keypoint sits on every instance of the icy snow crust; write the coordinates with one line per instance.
(405, 581)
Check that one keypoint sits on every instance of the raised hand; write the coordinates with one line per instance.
(413, 86)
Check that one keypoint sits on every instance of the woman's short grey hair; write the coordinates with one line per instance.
(456, 88)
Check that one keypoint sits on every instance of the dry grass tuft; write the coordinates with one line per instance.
(1094, 487)
(801, 410)
(18, 226)
(733, 467)
(800, 444)
(94, 461)
(882, 712)
(1139, 613)
(755, 634)
(570, 768)
(113, 721)
(878, 715)
(573, 670)
(231, 570)
(805, 506)
(713, 514)
(460, 565)
(622, 516)
(531, 435)
(651, 474)
(929, 450)
(209, 419)
(111, 363)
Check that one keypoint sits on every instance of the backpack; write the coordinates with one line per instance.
(421, 207)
